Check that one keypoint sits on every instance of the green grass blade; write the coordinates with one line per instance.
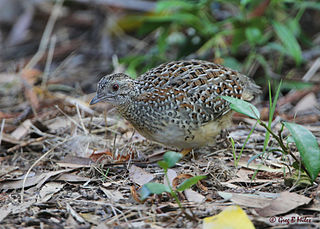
(234, 152)
(289, 41)
(272, 108)
(245, 142)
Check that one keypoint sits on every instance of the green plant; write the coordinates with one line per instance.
(236, 159)
(103, 172)
(272, 108)
(266, 32)
(169, 160)
(305, 141)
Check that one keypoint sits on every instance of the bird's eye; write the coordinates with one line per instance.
(115, 87)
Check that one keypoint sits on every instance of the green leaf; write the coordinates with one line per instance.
(171, 5)
(182, 18)
(162, 41)
(133, 63)
(189, 182)
(308, 147)
(172, 158)
(273, 46)
(152, 188)
(238, 39)
(253, 35)
(309, 4)
(296, 85)
(290, 139)
(244, 2)
(232, 62)
(242, 107)
(299, 178)
(294, 26)
(163, 164)
(289, 41)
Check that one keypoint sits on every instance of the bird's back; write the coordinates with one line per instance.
(179, 104)
(190, 90)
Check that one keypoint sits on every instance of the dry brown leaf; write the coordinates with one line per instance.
(98, 156)
(172, 174)
(6, 115)
(26, 143)
(75, 162)
(286, 202)
(250, 200)
(194, 196)
(314, 206)
(9, 139)
(70, 177)
(306, 103)
(75, 215)
(113, 195)
(58, 123)
(115, 183)
(297, 95)
(124, 157)
(75, 102)
(22, 130)
(260, 167)
(5, 211)
(15, 209)
(38, 180)
(243, 176)
(91, 218)
(135, 195)
(48, 190)
(139, 175)
(4, 169)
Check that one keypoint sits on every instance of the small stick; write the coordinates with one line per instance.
(26, 143)
(36, 162)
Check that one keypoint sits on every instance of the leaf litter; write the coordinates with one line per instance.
(97, 162)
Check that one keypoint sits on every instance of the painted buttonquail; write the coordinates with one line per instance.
(177, 103)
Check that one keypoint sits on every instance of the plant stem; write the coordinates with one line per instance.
(174, 194)
(279, 140)
(282, 145)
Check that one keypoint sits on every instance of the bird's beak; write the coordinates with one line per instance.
(95, 100)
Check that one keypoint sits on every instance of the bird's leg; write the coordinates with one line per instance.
(184, 152)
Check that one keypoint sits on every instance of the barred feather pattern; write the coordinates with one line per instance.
(176, 101)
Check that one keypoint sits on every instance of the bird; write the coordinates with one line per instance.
(178, 103)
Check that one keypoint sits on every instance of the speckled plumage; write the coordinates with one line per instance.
(177, 103)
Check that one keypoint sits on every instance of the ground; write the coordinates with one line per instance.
(85, 171)
(66, 164)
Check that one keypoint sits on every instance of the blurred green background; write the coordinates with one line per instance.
(265, 39)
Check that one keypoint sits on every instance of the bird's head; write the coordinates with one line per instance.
(115, 89)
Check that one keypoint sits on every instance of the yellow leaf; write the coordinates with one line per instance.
(232, 217)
